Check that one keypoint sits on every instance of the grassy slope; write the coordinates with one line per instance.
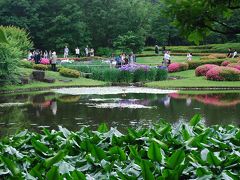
(190, 80)
(35, 84)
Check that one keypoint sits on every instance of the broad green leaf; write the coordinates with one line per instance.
(195, 120)
(53, 173)
(185, 134)
(161, 144)
(98, 153)
(176, 159)
(3, 38)
(212, 159)
(202, 171)
(165, 129)
(228, 175)
(37, 170)
(146, 172)
(11, 166)
(103, 128)
(119, 151)
(134, 154)
(40, 146)
(86, 145)
(238, 135)
(133, 133)
(154, 152)
(52, 160)
(77, 175)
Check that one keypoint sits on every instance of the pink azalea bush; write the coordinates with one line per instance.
(223, 74)
(45, 61)
(234, 65)
(225, 63)
(175, 67)
(202, 70)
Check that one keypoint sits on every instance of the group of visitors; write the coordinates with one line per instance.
(87, 52)
(157, 49)
(122, 59)
(39, 56)
(232, 53)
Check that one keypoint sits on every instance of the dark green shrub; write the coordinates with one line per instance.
(111, 75)
(40, 67)
(26, 64)
(69, 73)
(125, 76)
(104, 52)
(140, 75)
(151, 74)
(97, 73)
(161, 74)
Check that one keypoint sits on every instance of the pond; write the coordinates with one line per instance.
(120, 107)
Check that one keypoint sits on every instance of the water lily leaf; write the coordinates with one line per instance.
(10, 165)
(119, 151)
(52, 160)
(77, 175)
(212, 159)
(176, 159)
(195, 120)
(154, 152)
(146, 172)
(53, 174)
(98, 153)
(40, 146)
(103, 128)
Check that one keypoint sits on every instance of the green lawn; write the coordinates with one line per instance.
(157, 60)
(59, 82)
(190, 80)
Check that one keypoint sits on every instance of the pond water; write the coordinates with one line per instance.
(117, 106)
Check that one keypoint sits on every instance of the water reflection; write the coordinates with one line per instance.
(51, 110)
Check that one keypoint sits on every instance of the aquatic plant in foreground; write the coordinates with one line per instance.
(186, 151)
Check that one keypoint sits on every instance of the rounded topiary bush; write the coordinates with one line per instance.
(234, 65)
(202, 70)
(26, 64)
(223, 74)
(175, 67)
(69, 72)
(40, 67)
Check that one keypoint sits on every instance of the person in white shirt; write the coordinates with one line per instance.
(166, 58)
(66, 51)
(189, 56)
(234, 54)
(77, 52)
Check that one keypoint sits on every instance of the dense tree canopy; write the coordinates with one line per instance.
(196, 18)
(99, 23)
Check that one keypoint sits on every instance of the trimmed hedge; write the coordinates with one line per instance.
(223, 74)
(175, 67)
(69, 73)
(195, 64)
(40, 67)
(234, 65)
(202, 70)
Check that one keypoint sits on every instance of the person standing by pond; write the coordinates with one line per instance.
(86, 51)
(66, 51)
(37, 57)
(77, 52)
(166, 58)
(54, 61)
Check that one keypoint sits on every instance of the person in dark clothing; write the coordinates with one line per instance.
(37, 57)
(230, 53)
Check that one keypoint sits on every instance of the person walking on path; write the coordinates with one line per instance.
(66, 51)
(54, 61)
(77, 52)
(156, 49)
(166, 59)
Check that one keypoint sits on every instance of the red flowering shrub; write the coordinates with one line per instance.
(225, 63)
(234, 65)
(223, 74)
(202, 70)
(175, 67)
(45, 61)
